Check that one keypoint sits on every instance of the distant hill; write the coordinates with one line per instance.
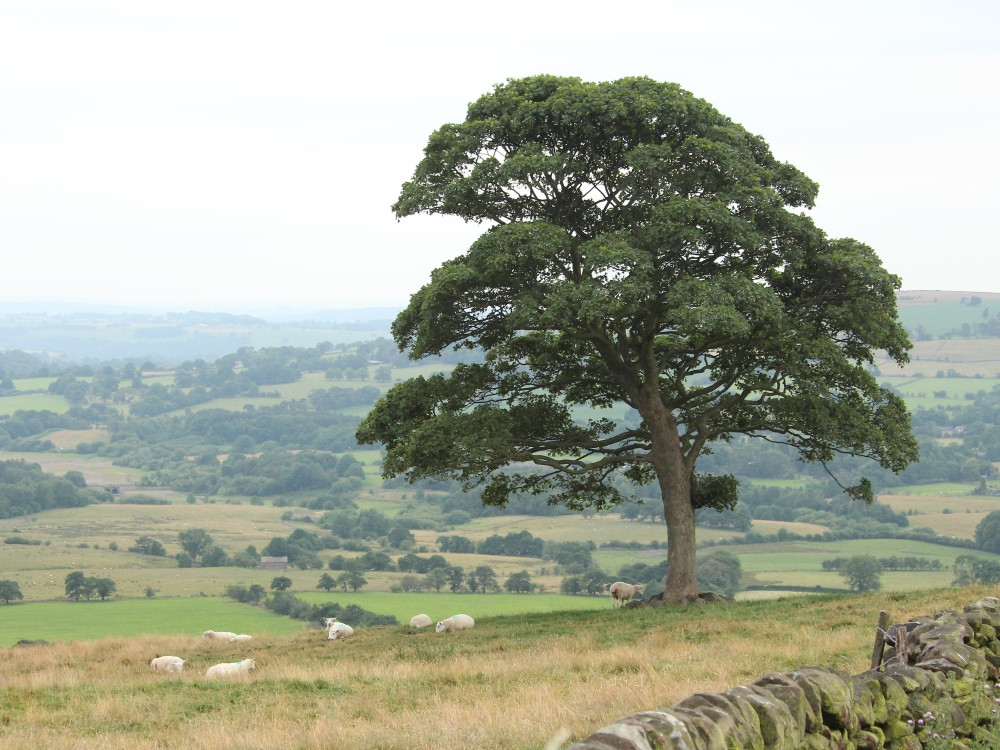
(170, 338)
(90, 336)
(937, 314)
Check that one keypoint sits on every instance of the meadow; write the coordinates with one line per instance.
(96, 538)
(535, 665)
(513, 681)
(65, 621)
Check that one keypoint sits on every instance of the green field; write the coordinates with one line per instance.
(938, 312)
(93, 620)
(33, 402)
(801, 563)
(83, 621)
(80, 539)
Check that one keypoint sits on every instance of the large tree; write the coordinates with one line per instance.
(641, 249)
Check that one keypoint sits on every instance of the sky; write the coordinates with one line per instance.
(243, 156)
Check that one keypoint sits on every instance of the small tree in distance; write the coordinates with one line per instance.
(280, 583)
(862, 573)
(195, 542)
(256, 593)
(104, 587)
(519, 582)
(353, 576)
(9, 590)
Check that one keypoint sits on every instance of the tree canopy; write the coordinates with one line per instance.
(640, 249)
(988, 532)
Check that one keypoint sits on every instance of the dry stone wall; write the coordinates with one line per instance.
(942, 691)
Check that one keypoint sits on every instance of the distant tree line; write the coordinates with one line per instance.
(268, 451)
(25, 488)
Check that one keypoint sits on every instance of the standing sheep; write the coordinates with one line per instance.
(420, 621)
(455, 622)
(622, 593)
(231, 668)
(168, 664)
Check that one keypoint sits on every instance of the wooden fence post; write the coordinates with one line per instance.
(883, 623)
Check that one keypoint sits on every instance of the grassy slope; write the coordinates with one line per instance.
(511, 682)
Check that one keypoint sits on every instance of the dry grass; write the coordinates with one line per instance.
(511, 682)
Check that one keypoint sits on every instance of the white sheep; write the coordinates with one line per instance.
(420, 621)
(230, 668)
(241, 638)
(218, 635)
(337, 630)
(168, 664)
(622, 593)
(455, 622)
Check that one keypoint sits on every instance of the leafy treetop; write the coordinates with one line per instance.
(640, 249)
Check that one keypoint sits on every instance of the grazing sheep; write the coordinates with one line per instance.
(337, 630)
(455, 622)
(230, 668)
(420, 621)
(169, 664)
(622, 593)
(241, 638)
(220, 635)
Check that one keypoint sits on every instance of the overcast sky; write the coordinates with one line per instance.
(242, 155)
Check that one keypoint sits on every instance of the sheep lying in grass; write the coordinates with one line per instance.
(420, 621)
(168, 664)
(622, 593)
(337, 630)
(241, 638)
(218, 635)
(455, 622)
(230, 668)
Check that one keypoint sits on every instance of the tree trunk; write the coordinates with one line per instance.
(673, 475)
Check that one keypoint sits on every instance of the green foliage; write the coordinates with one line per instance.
(78, 585)
(574, 557)
(9, 590)
(862, 573)
(353, 576)
(988, 533)
(21, 540)
(519, 582)
(456, 543)
(482, 579)
(642, 251)
(25, 488)
(147, 545)
(970, 570)
(720, 571)
(195, 542)
(515, 544)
